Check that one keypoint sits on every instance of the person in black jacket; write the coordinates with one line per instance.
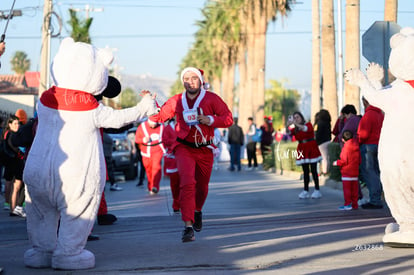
(12, 159)
(323, 137)
(236, 141)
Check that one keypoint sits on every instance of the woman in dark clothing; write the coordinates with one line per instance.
(323, 137)
(267, 137)
(12, 159)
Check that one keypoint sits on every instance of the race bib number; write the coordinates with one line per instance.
(155, 136)
(190, 116)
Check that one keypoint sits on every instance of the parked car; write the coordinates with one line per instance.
(123, 156)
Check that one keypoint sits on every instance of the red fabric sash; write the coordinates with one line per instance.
(411, 82)
(68, 100)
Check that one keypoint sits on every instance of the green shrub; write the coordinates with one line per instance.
(269, 159)
(285, 156)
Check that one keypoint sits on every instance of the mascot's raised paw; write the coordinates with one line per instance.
(375, 72)
(355, 77)
(148, 104)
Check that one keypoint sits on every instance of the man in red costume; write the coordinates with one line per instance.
(197, 113)
(149, 139)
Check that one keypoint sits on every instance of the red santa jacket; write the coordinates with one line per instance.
(369, 128)
(169, 138)
(206, 103)
(350, 159)
(155, 144)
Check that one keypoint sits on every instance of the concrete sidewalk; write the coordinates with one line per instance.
(254, 223)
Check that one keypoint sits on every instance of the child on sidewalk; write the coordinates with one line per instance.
(349, 162)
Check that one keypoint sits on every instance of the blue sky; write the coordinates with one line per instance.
(152, 37)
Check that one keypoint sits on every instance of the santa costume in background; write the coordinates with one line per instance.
(194, 146)
(149, 139)
(169, 138)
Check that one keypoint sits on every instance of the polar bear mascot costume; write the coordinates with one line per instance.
(396, 145)
(65, 170)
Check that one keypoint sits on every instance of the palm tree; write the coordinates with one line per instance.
(352, 49)
(20, 63)
(233, 35)
(80, 28)
(316, 59)
(257, 15)
(330, 97)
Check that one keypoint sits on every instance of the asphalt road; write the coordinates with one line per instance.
(254, 223)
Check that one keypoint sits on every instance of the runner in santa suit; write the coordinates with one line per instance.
(149, 139)
(169, 138)
(197, 113)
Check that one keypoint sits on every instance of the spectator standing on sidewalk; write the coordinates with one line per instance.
(267, 137)
(349, 162)
(308, 154)
(251, 145)
(197, 113)
(218, 142)
(351, 121)
(369, 131)
(323, 137)
(236, 141)
(12, 159)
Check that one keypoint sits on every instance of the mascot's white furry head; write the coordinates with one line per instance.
(401, 62)
(80, 66)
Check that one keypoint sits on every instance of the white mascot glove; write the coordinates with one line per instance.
(148, 105)
(355, 77)
(375, 74)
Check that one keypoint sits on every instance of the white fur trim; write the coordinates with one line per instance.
(211, 120)
(194, 70)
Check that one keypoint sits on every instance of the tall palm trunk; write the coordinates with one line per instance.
(390, 10)
(228, 84)
(251, 80)
(316, 59)
(260, 63)
(330, 96)
(245, 103)
(390, 14)
(216, 85)
(352, 49)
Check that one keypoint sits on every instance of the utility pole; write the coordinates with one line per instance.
(44, 82)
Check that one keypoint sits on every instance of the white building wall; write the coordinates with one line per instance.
(10, 103)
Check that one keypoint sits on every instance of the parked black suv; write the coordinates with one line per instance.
(123, 155)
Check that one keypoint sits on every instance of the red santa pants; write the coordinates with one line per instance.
(351, 192)
(103, 209)
(153, 169)
(171, 171)
(194, 169)
(175, 189)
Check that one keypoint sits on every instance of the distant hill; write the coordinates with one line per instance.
(161, 86)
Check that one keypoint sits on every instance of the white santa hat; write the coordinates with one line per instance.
(198, 72)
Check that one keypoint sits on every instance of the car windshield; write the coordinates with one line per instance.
(120, 142)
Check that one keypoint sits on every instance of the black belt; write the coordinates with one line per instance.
(154, 144)
(194, 145)
(306, 140)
